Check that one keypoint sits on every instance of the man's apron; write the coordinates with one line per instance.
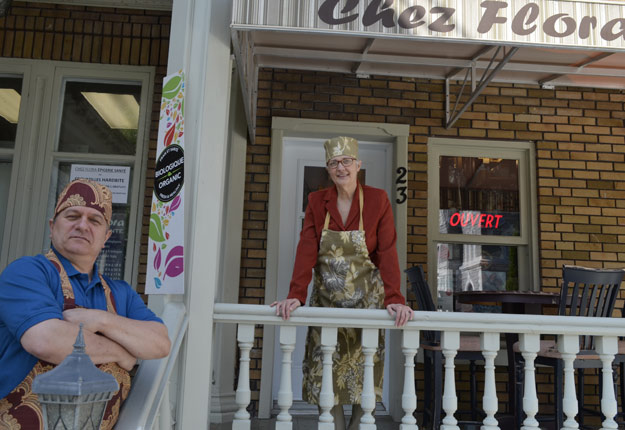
(345, 277)
(20, 409)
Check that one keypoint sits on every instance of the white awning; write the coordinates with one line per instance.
(544, 42)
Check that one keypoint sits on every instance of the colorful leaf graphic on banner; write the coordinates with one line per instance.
(169, 136)
(175, 203)
(156, 228)
(172, 87)
(157, 282)
(157, 260)
(174, 263)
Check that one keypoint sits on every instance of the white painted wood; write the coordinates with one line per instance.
(367, 401)
(568, 345)
(245, 337)
(607, 347)
(530, 345)
(199, 44)
(326, 396)
(490, 346)
(285, 394)
(450, 342)
(410, 346)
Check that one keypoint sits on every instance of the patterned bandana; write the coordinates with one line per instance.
(84, 192)
(341, 145)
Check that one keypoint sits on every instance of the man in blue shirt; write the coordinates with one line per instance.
(43, 299)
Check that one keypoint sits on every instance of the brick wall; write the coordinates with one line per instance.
(580, 143)
(42, 31)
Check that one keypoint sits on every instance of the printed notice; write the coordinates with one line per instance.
(117, 178)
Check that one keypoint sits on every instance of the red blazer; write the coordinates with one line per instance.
(379, 233)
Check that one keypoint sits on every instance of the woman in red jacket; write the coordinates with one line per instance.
(349, 239)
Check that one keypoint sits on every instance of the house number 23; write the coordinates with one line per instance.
(401, 185)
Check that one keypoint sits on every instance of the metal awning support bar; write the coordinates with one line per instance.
(452, 117)
(356, 68)
(579, 66)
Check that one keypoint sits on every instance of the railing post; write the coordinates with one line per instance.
(607, 347)
(367, 400)
(568, 345)
(245, 337)
(450, 342)
(326, 396)
(530, 345)
(410, 346)
(490, 346)
(285, 393)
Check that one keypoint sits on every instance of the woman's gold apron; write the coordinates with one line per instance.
(345, 277)
(20, 409)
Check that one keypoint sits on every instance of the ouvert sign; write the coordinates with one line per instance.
(591, 24)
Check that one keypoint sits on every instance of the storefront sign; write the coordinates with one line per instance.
(550, 22)
(165, 273)
(117, 178)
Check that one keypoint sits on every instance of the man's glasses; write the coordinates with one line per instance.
(346, 162)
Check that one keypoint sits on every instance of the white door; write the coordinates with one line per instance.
(303, 171)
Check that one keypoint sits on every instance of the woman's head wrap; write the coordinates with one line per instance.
(341, 145)
(87, 193)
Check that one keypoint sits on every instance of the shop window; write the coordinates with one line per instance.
(481, 211)
(83, 120)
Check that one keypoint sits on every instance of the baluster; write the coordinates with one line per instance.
(245, 337)
(530, 345)
(490, 346)
(326, 396)
(607, 347)
(367, 400)
(568, 345)
(450, 342)
(410, 345)
(285, 394)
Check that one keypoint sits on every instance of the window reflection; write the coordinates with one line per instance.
(100, 118)
(464, 267)
(10, 99)
(479, 196)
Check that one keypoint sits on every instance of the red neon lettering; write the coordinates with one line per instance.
(482, 219)
(474, 219)
(465, 220)
(498, 217)
(489, 221)
(451, 220)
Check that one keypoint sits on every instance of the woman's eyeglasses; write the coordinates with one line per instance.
(346, 162)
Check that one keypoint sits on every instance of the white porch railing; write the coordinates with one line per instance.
(489, 326)
(149, 393)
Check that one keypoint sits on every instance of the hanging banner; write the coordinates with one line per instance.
(165, 274)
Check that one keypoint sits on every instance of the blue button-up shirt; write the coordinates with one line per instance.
(30, 293)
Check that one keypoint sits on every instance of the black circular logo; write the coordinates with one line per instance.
(169, 175)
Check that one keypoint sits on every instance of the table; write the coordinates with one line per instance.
(512, 302)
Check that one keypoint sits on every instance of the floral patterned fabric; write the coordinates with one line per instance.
(20, 409)
(345, 277)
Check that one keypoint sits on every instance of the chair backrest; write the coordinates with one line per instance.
(589, 292)
(422, 292)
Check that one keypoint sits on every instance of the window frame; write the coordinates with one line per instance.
(527, 241)
(36, 152)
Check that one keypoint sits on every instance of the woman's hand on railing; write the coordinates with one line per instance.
(285, 307)
(401, 313)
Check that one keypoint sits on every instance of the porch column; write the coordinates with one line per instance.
(200, 46)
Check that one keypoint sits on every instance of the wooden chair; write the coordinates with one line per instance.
(585, 292)
(470, 349)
